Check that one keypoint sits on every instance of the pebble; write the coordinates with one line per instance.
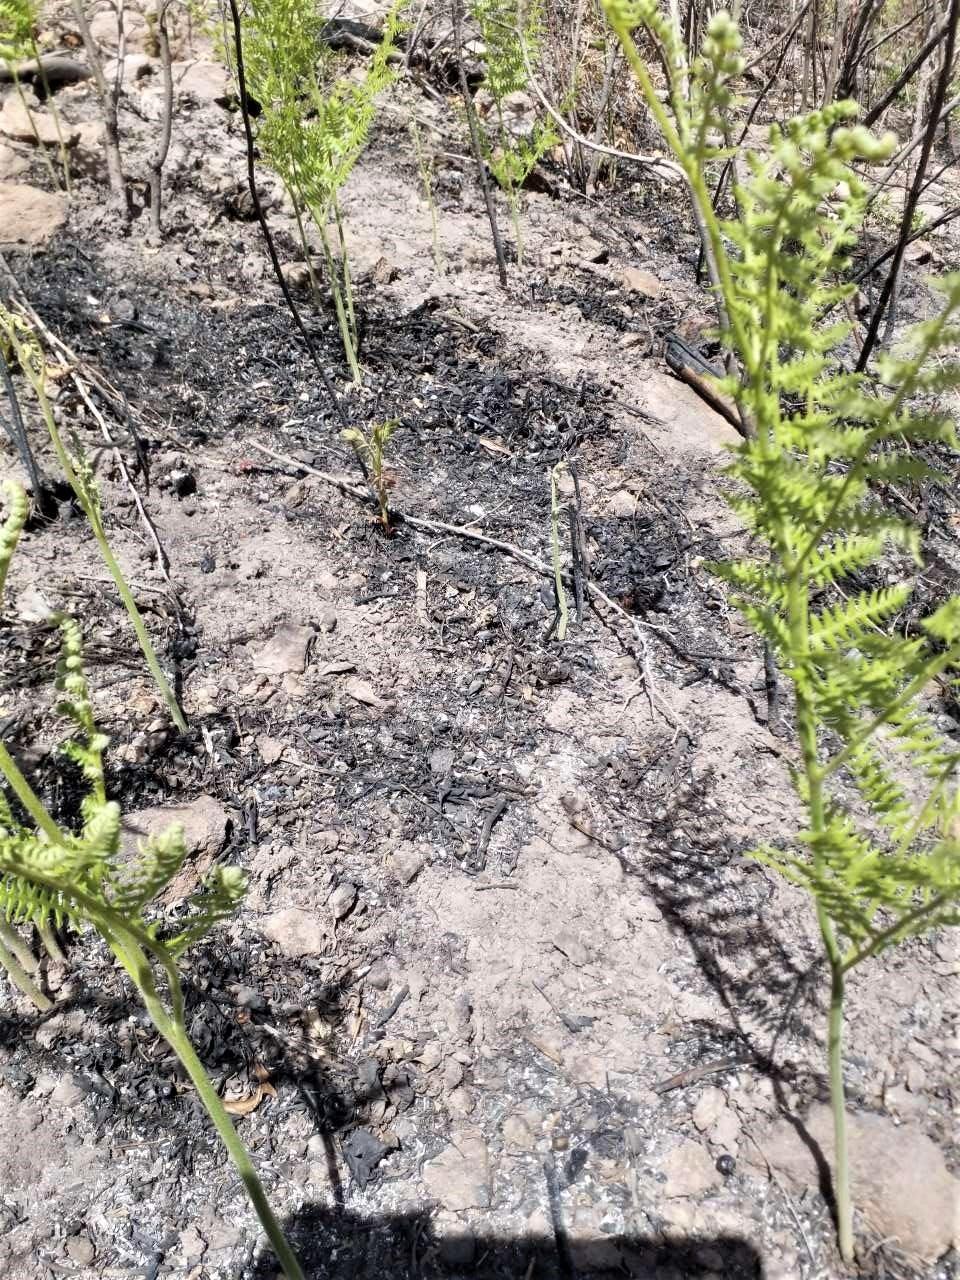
(459, 1177)
(690, 1171)
(568, 944)
(296, 932)
(80, 1249)
(710, 1106)
(379, 976)
(342, 900)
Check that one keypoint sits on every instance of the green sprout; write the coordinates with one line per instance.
(371, 450)
(22, 343)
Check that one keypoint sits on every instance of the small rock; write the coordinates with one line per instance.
(11, 162)
(192, 1244)
(379, 976)
(207, 81)
(461, 1102)
(636, 280)
(690, 1171)
(80, 1249)
(430, 1056)
(205, 823)
(406, 864)
(441, 761)
(916, 1078)
(452, 1075)
(285, 651)
(328, 621)
(725, 1132)
(517, 1133)
(136, 66)
(710, 1106)
(363, 692)
(899, 1180)
(221, 1235)
(68, 1092)
(29, 215)
(24, 125)
(622, 503)
(903, 1104)
(568, 944)
(459, 1177)
(342, 899)
(296, 932)
(271, 749)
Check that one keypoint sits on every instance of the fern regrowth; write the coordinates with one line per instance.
(884, 866)
(49, 874)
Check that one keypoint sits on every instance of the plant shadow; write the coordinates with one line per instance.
(338, 1243)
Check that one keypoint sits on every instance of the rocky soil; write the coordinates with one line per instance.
(506, 997)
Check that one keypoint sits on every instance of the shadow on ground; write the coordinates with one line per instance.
(334, 1242)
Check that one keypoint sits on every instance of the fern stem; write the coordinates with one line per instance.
(841, 1168)
(334, 279)
(345, 274)
(49, 940)
(96, 524)
(175, 1034)
(27, 796)
(18, 975)
(14, 943)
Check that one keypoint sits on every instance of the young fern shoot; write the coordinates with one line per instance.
(507, 28)
(313, 128)
(17, 335)
(372, 451)
(887, 868)
(51, 874)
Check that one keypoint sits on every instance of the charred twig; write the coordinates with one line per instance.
(574, 1023)
(694, 1074)
(913, 197)
(108, 107)
(392, 1007)
(691, 368)
(166, 125)
(17, 431)
(493, 815)
(475, 144)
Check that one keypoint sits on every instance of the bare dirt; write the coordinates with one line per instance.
(522, 1005)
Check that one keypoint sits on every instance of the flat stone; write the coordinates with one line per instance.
(28, 215)
(710, 1106)
(342, 900)
(68, 1092)
(459, 1177)
(296, 932)
(636, 280)
(24, 125)
(690, 1171)
(204, 823)
(899, 1180)
(12, 162)
(80, 1249)
(517, 1133)
(285, 651)
(271, 749)
(406, 864)
(207, 81)
(568, 944)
